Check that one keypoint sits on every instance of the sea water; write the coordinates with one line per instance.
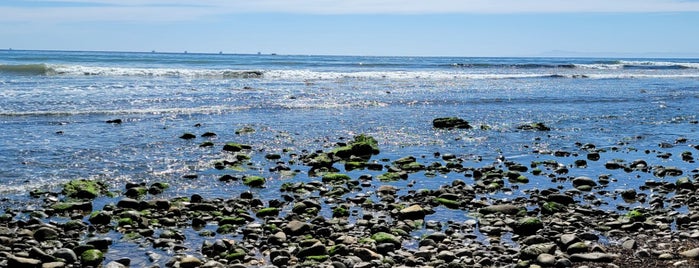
(54, 106)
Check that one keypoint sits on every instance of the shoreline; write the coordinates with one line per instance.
(372, 221)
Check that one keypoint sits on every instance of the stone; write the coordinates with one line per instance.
(45, 234)
(91, 257)
(67, 254)
(59, 264)
(450, 123)
(504, 208)
(414, 212)
(367, 255)
(533, 251)
(14, 261)
(569, 239)
(528, 226)
(561, 199)
(254, 181)
(692, 253)
(546, 259)
(190, 261)
(593, 257)
(316, 249)
(383, 237)
(114, 264)
(583, 181)
(296, 228)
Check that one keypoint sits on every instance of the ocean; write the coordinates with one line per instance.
(54, 105)
(54, 108)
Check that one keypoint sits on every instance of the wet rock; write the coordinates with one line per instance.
(531, 252)
(295, 228)
(367, 255)
(66, 254)
(528, 226)
(450, 123)
(91, 257)
(190, 261)
(503, 208)
(561, 199)
(45, 233)
(188, 136)
(414, 212)
(593, 257)
(534, 126)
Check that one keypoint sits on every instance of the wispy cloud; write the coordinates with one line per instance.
(169, 10)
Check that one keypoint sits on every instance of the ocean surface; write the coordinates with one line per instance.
(54, 106)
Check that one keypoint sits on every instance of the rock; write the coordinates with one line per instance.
(382, 237)
(277, 239)
(67, 254)
(578, 247)
(546, 259)
(190, 261)
(569, 239)
(504, 208)
(561, 199)
(14, 261)
(629, 244)
(534, 126)
(235, 147)
(58, 264)
(366, 254)
(362, 146)
(450, 123)
(100, 218)
(316, 249)
(593, 257)
(295, 228)
(583, 181)
(629, 194)
(414, 212)
(533, 251)
(254, 181)
(91, 257)
(45, 234)
(188, 136)
(528, 226)
(114, 264)
(692, 253)
(83, 189)
(114, 121)
(446, 255)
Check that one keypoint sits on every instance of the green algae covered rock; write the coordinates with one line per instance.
(362, 146)
(254, 181)
(83, 189)
(91, 257)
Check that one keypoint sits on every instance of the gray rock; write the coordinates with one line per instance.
(296, 228)
(314, 250)
(593, 257)
(57, 264)
(505, 209)
(692, 253)
(113, 264)
(578, 247)
(446, 255)
(277, 238)
(190, 261)
(15, 261)
(414, 212)
(67, 254)
(213, 264)
(45, 234)
(569, 239)
(546, 259)
(366, 254)
(629, 244)
(583, 181)
(533, 251)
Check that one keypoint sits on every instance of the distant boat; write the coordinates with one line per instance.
(152, 51)
(185, 52)
(220, 52)
(259, 53)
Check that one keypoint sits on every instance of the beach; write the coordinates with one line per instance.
(218, 160)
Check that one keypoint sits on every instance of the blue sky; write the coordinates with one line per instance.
(358, 27)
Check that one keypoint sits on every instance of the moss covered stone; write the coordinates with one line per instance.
(236, 147)
(267, 212)
(636, 216)
(318, 258)
(341, 211)
(389, 176)
(83, 189)
(336, 178)
(383, 237)
(552, 208)
(254, 181)
(449, 203)
(362, 146)
(71, 206)
(232, 221)
(528, 226)
(91, 257)
(450, 123)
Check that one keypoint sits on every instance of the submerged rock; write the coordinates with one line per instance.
(450, 123)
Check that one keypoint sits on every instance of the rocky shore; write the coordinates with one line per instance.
(339, 220)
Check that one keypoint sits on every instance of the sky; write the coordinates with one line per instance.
(358, 27)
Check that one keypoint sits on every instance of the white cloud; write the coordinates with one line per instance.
(182, 10)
